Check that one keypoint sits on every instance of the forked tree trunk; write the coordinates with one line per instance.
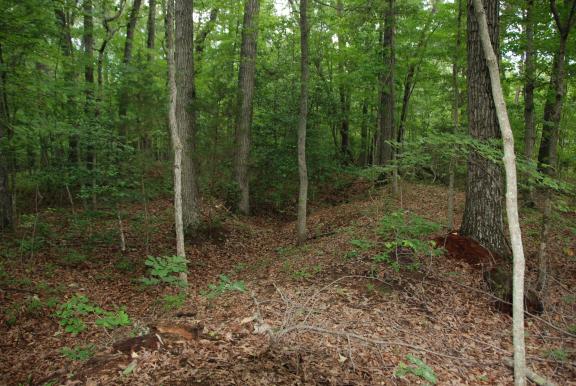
(246, 81)
(302, 121)
(174, 134)
(124, 95)
(482, 219)
(548, 153)
(511, 197)
(185, 110)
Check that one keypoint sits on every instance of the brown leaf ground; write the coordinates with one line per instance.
(315, 314)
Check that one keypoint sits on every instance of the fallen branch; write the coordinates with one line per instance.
(376, 342)
(531, 375)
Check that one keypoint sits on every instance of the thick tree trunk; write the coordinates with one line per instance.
(174, 134)
(387, 95)
(246, 81)
(511, 197)
(529, 82)
(6, 210)
(151, 29)
(483, 211)
(345, 97)
(302, 122)
(455, 112)
(185, 106)
(124, 95)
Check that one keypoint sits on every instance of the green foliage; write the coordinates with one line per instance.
(111, 320)
(418, 368)
(124, 264)
(224, 285)
(72, 259)
(406, 225)
(173, 302)
(163, 270)
(70, 315)
(361, 244)
(557, 354)
(79, 353)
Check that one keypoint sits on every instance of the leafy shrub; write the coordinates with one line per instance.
(70, 315)
(224, 285)
(165, 270)
(420, 369)
(78, 353)
(72, 259)
(173, 302)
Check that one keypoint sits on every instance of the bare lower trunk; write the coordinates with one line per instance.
(542, 255)
(6, 210)
(302, 120)
(151, 28)
(529, 82)
(185, 110)
(246, 80)
(511, 198)
(387, 98)
(174, 134)
(455, 114)
(482, 219)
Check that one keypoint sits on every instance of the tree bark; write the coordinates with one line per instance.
(482, 219)
(151, 29)
(387, 95)
(364, 136)
(124, 95)
(185, 110)
(548, 153)
(88, 43)
(246, 81)
(455, 113)
(345, 96)
(6, 210)
(511, 196)
(529, 82)
(174, 134)
(302, 122)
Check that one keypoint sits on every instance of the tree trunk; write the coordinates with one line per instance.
(174, 134)
(201, 38)
(246, 81)
(455, 113)
(151, 29)
(482, 219)
(88, 43)
(302, 121)
(185, 114)
(124, 95)
(548, 153)
(345, 97)
(387, 98)
(529, 82)
(6, 210)
(511, 195)
(364, 137)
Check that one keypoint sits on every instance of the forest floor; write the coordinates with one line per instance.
(321, 313)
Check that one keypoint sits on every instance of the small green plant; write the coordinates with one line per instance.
(406, 225)
(70, 315)
(111, 320)
(351, 254)
(418, 368)
(72, 259)
(569, 299)
(79, 353)
(124, 264)
(361, 244)
(557, 354)
(165, 270)
(224, 285)
(173, 302)
(572, 329)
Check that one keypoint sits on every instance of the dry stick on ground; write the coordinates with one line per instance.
(537, 379)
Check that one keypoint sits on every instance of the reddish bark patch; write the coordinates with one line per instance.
(466, 249)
